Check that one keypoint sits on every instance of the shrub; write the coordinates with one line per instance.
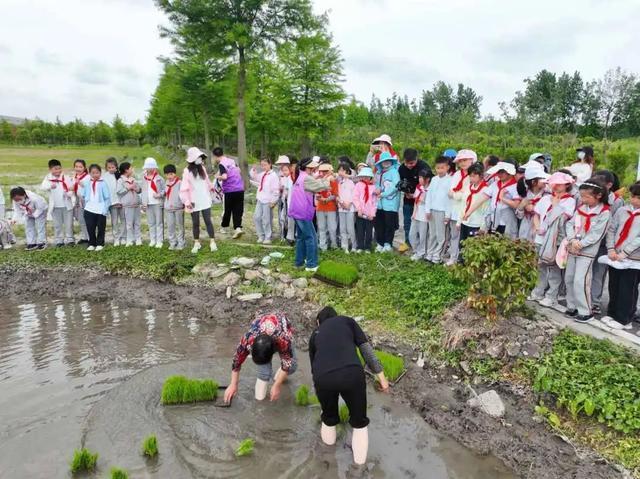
(343, 274)
(500, 273)
(117, 473)
(83, 460)
(150, 446)
(594, 377)
(392, 365)
(180, 390)
(245, 448)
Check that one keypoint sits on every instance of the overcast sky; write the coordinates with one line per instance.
(94, 59)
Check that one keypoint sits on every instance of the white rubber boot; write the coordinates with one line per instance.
(360, 445)
(261, 389)
(328, 434)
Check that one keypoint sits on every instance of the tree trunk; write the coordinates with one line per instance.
(242, 133)
(207, 143)
(263, 144)
(306, 145)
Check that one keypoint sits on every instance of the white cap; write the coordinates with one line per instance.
(194, 153)
(502, 165)
(532, 173)
(283, 160)
(386, 138)
(150, 163)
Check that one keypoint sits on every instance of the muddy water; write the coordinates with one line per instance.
(75, 373)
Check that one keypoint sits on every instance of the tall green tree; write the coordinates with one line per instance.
(120, 130)
(234, 31)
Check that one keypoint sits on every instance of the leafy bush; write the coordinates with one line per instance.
(344, 274)
(150, 446)
(180, 390)
(393, 365)
(117, 473)
(83, 460)
(500, 273)
(245, 448)
(594, 377)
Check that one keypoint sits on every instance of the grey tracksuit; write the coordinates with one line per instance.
(60, 207)
(130, 200)
(580, 265)
(33, 214)
(174, 210)
(347, 223)
(327, 225)
(263, 219)
(437, 236)
(631, 246)
(153, 202)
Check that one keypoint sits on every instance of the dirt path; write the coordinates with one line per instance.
(524, 445)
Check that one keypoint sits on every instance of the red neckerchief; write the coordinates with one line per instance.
(262, 180)
(93, 185)
(588, 216)
(502, 186)
(60, 180)
(170, 187)
(626, 229)
(563, 197)
(77, 180)
(151, 180)
(26, 207)
(366, 191)
(421, 189)
(473, 191)
(463, 175)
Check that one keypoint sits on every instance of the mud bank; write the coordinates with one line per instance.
(518, 440)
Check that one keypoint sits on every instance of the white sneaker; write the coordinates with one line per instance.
(99, 248)
(547, 303)
(152, 245)
(212, 245)
(387, 248)
(450, 263)
(267, 241)
(613, 324)
(238, 232)
(171, 247)
(311, 270)
(222, 231)
(158, 245)
(116, 243)
(138, 242)
(129, 244)
(91, 248)
(346, 251)
(196, 247)
(7, 246)
(415, 257)
(379, 248)
(259, 240)
(535, 297)
(358, 251)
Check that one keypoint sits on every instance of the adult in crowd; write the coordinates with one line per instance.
(302, 210)
(582, 168)
(268, 333)
(230, 178)
(195, 193)
(379, 146)
(409, 170)
(337, 371)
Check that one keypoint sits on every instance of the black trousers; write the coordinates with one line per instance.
(350, 383)
(195, 219)
(364, 233)
(233, 205)
(623, 294)
(386, 226)
(465, 233)
(96, 225)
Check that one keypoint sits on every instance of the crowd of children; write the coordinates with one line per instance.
(579, 224)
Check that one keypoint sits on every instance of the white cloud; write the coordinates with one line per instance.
(95, 59)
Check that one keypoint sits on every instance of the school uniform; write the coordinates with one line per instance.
(130, 200)
(502, 218)
(97, 201)
(268, 184)
(365, 201)
(460, 182)
(116, 211)
(60, 207)
(153, 188)
(2, 205)
(623, 237)
(78, 183)
(600, 269)
(6, 234)
(327, 217)
(589, 226)
(419, 230)
(526, 231)
(174, 210)
(552, 230)
(346, 216)
(439, 207)
(470, 227)
(32, 212)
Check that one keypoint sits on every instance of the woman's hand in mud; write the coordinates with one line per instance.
(383, 383)
(230, 392)
(275, 392)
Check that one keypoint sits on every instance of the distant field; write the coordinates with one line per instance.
(27, 166)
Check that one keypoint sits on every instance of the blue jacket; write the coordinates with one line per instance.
(387, 182)
(102, 189)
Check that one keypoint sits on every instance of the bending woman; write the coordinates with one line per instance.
(195, 193)
(337, 371)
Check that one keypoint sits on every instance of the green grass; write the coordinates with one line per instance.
(245, 448)
(83, 460)
(150, 446)
(341, 273)
(117, 473)
(181, 390)
(303, 398)
(392, 365)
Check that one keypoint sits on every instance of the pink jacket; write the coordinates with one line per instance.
(186, 186)
(268, 187)
(346, 189)
(369, 206)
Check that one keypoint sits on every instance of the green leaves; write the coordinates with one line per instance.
(83, 461)
(245, 448)
(344, 274)
(181, 390)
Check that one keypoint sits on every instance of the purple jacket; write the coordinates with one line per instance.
(301, 206)
(234, 182)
